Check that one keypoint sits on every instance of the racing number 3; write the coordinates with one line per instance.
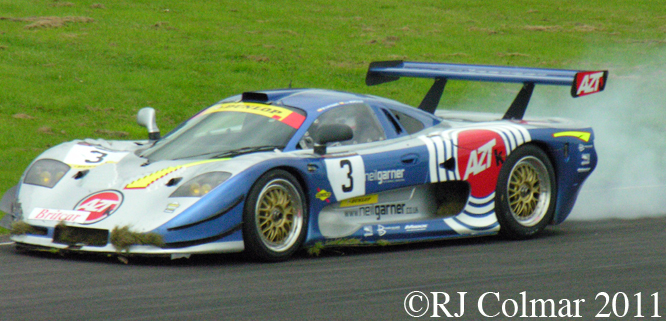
(345, 188)
(347, 176)
(100, 157)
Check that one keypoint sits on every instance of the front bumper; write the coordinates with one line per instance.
(46, 242)
(9, 205)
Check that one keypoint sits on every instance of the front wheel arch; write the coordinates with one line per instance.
(275, 217)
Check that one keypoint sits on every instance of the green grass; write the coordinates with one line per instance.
(88, 69)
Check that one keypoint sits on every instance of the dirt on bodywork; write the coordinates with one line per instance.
(122, 238)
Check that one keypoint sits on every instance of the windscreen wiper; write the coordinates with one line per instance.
(246, 150)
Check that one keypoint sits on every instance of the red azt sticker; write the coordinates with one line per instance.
(100, 205)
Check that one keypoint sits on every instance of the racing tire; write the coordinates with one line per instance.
(275, 217)
(526, 193)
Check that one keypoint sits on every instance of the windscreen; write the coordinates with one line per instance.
(225, 129)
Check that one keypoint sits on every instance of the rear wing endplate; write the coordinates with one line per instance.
(582, 82)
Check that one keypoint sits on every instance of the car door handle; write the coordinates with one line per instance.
(410, 159)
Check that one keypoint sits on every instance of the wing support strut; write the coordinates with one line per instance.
(517, 109)
(431, 99)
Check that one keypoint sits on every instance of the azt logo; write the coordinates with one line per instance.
(589, 83)
(100, 205)
(480, 159)
(97, 205)
(480, 156)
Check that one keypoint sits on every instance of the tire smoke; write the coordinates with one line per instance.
(629, 121)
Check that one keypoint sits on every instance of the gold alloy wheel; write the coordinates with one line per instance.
(529, 191)
(279, 215)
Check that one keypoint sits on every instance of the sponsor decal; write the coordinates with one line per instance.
(171, 207)
(458, 144)
(100, 205)
(362, 200)
(367, 231)
(339, 104)
(352, 213)
(381, 229)
(585, 159)
(416, 227)
(584, 136)
(83, 156)
(382, 210)
(323, 195)
(147, 180)
(386, 176)
(480, 157)
(582, 148)
(58, 215)
(588, 82)
(283, 115)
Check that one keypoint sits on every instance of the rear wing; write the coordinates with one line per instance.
(582, 82)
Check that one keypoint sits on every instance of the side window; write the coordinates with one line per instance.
(411, 124)
(359, 117)
(391, 118)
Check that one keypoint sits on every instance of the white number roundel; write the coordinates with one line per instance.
(347, 176)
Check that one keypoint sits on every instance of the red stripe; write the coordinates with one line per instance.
(294, 120)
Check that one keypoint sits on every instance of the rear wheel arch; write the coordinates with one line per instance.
(526, 192)
(545, 147)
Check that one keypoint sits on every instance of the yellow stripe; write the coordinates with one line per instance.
(75, 166)
(147, 180)
(275, 112)
(584, 136)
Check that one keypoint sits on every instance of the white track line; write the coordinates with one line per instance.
(8, 243)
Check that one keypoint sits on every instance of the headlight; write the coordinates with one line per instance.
(201, 185)
(46, 172)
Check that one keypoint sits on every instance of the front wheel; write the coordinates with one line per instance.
(275, 217)
(526, 193)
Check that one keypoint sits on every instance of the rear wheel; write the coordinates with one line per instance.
(526, 193)
(275, 217)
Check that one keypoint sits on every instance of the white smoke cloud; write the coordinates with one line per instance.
(629, 121)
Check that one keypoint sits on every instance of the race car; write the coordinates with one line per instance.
(271, 172)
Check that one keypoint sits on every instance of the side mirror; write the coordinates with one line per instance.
(146, 118)
(331, 133)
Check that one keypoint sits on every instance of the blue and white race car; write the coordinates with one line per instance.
(271, 172)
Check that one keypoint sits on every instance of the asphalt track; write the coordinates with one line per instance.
(573, 261)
